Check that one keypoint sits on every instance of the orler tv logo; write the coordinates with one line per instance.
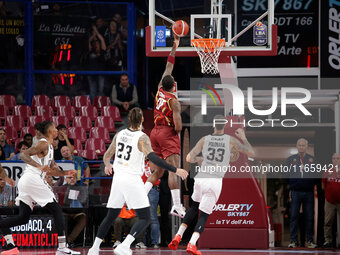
(303, 97)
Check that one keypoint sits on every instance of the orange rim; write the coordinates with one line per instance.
(208, 44)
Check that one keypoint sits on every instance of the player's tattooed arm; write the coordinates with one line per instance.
(245, 147)
(41, 148)
(192, 156)
(176, 109)
(110, 151)
(169, 65)
(144, 144)
(56, 171)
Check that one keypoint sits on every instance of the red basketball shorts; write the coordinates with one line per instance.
(165, 141)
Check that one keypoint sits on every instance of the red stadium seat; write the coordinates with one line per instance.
(8, 100)
(101, 101)
(79, 101)
(60, 101)
(88, 154)
(4, 111)
(82, 121)
(97, 145)
(100, 132)
(14, 121)
(60, 120)
(45, 111)
(67, 111)
(11, 133)
(38, 100)
(34, 119)
(90, 111)
(78, 145)
(23, 110)
(107, 122)
(77, 133)
(113, 112)
(26, 130)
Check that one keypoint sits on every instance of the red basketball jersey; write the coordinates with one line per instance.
(162, 113)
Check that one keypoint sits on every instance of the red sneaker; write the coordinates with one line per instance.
(174, 243)
(192, 249)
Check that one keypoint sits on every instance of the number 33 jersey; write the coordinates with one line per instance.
(128, 158)
(216, 155)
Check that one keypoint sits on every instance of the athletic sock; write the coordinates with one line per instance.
(9, 239)
(61, 242)
(128, 240)
(148, 187)
(194, 238)
(97, 243)
(181, 230)
(176, 196)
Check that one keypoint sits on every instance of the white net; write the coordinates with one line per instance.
(209, 51)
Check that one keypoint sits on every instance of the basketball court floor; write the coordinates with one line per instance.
(205, 252)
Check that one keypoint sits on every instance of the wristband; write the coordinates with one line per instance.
(171, 59)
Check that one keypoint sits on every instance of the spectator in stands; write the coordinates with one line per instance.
(96, 61)
(67, 155)
(124, 95)
(56, 153)
(101, 26)
(63, 138)
(22, 146)
(2, 154)
(76, 196)
(114, 49)
(28, 138)
(2, 9)
(118, 19)
(8, 149)
(331, 186)
(301, 192)
(125, 220)
(6, 193)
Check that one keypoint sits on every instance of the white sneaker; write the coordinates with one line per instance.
(178, 211)
(122, 250)
(65, 250)
(116, 244)
(140, 245)
(93, 251)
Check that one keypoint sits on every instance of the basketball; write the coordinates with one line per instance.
(180, 28)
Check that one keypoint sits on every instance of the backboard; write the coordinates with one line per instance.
(246, 33)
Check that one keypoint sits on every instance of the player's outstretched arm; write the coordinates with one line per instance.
(108, 155)
(40, 148)
(56, 171)
(176, 111)
(246, 146)
(192, 155)
(144, 145)
(171, 61)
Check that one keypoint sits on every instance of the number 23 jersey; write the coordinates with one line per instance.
(128, 158)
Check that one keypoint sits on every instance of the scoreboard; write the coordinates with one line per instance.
(298, 32)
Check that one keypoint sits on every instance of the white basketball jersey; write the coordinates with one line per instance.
(128, 158)
(44, 161)
(216, 155)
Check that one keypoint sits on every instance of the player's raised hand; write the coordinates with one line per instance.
(240, 134)
(108, 169)
(182, 173)
(176, 41)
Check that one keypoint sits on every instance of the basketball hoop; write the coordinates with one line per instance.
(208, 50)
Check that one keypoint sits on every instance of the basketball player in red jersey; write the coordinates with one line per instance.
(164, 136)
